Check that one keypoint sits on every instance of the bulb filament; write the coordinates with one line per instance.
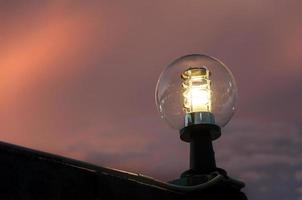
(196, 90)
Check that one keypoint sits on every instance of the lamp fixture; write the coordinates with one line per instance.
(196, 94)
(196, 89)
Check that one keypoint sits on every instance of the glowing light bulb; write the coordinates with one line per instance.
(196, 89)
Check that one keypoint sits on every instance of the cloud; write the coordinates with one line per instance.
(263, 154)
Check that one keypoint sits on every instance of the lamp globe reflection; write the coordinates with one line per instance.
(196, 89)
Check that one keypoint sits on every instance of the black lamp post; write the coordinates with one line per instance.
(202, 156)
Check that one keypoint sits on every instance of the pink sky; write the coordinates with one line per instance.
(78, 79)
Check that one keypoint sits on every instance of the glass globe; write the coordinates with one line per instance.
(196, 86)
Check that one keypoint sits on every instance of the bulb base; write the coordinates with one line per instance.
(188, 133)
(199, 118)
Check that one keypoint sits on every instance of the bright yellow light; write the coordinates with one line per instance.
(196, 90)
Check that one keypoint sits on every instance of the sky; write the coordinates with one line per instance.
(77, 78)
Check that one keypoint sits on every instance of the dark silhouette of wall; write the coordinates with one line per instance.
(27, 174)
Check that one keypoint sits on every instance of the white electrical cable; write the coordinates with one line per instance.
(218, 178)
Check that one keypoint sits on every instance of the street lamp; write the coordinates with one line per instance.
(196, 94)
